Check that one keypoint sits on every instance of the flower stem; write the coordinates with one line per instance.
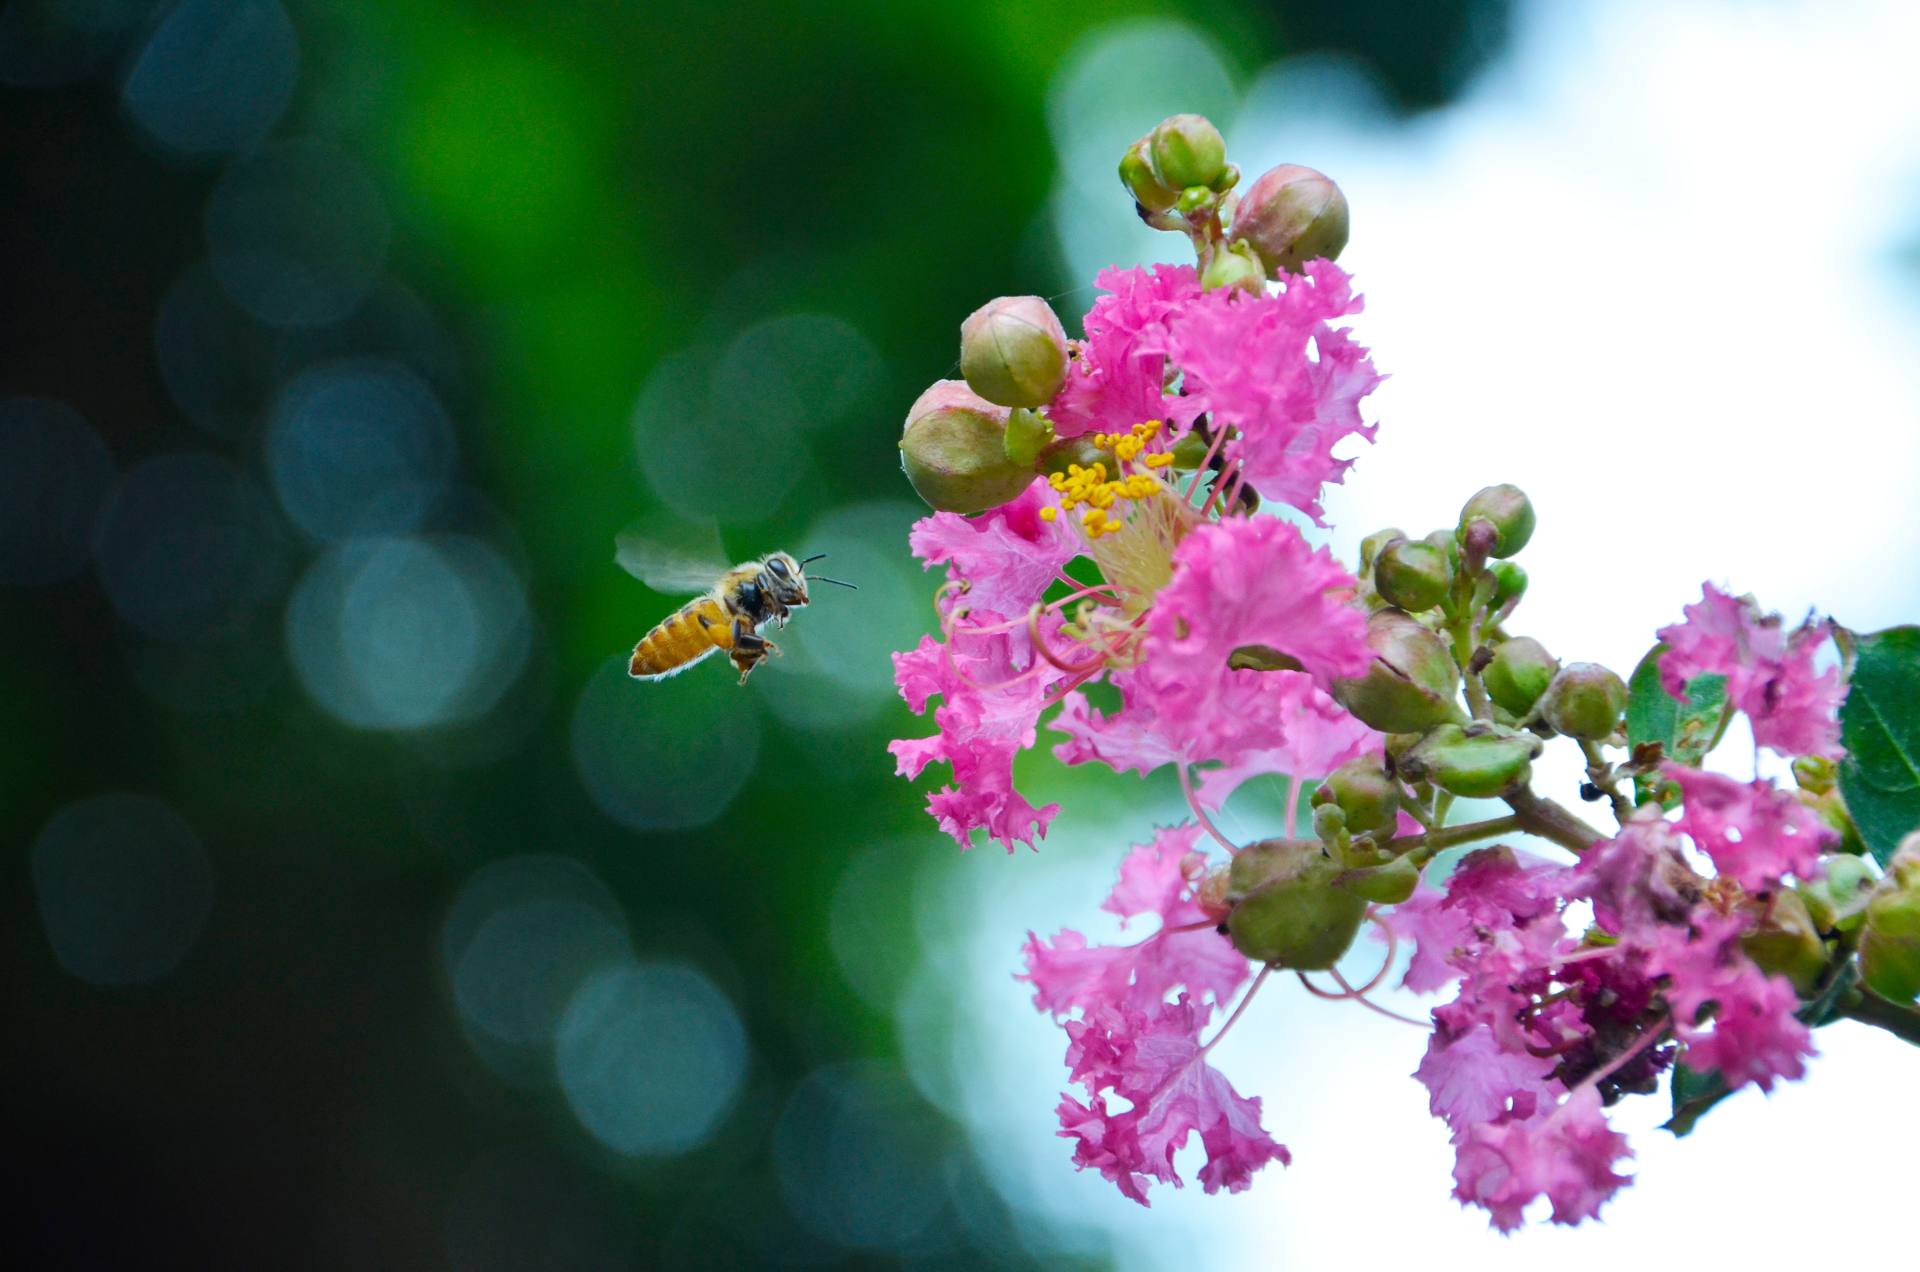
(1901, 1022)
(1549, 820)
(1601, 774)
(1425, 846)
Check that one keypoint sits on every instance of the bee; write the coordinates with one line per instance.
(729, 616)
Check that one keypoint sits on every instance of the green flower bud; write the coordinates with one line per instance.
(1373, 544)
(1387, 884)
(1363, 792)
(1292, 215)
(1013, 351)
(1447, 542)
(1193, 199)
(1286, 910)
(1411, 684)
(954, 451)
(1187, 150)
(1489, 761)
(1890, 941)
(1784, 943)
(1414, 576)
(1815, 774)
(1058, 456)
(1509, 584)
(1235, 266)
(1330, 826)
(1028, 433)
(1837, 900)
(1520, 672)
(1511, 513)
(1832, 809)
(1584, 701)
(1136, 174)
(1190, 451)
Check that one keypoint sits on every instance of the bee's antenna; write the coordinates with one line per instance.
(821, 578)
(818, 556)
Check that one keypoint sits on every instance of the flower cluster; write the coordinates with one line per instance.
(1114, 565)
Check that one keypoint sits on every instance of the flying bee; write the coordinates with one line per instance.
(728, 617)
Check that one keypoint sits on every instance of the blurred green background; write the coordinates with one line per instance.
(359, 911)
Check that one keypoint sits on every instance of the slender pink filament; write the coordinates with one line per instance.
(1246, 998)
(1200, 814)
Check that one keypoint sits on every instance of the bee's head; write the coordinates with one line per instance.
(786, 579)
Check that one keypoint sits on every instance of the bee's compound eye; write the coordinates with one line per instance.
(778, 566)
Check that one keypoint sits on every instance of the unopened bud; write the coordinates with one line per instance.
(1136, 174)
(1783, 942)
(1584, 701)
(1013, 351)
(1387, 884)
(1509, 584)
(1187, 150)
(1028, 433)
(1410, 686)
(1815, 774)
(1211, 895)
(1330, 825)
(1890, 940)
(954, 451)
(1064, 453)
(1520, 672)
(1235, 266)
(1414, 576)
(1292, 215)
(1511, 513)
(1487, 762)
(1286, 910)
(1190, 451)
(1363, 792)
(1837, 900)
(1374, 544)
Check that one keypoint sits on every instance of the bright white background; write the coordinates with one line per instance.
(1657, 267)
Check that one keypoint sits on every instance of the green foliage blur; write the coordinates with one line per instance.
(580, 191)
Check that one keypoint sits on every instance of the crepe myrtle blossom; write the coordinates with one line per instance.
(1115, 578)
(1769, 670)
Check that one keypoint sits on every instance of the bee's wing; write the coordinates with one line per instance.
(671, 556)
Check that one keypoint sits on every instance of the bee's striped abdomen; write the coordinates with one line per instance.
(682, 639)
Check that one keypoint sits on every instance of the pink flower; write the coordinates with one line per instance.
(1119, 378)
(1473, 1079)
(1756, 1037)
(1566, 1154)
(1436, 931)
(1732, 1016)
(1248, 364)
(1636, 879)
(1244, 582)
(1158, 878)
(1754, 833)
(1770, 673)
(1314, 735)
(993, 689)
(1006, 556)
(1154, 1059)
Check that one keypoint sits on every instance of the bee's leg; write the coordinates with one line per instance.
(749, 647)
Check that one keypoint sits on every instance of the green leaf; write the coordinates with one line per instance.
(1694, 1092)
(1880, 727)
(1697, 1090)
(1686, 731)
